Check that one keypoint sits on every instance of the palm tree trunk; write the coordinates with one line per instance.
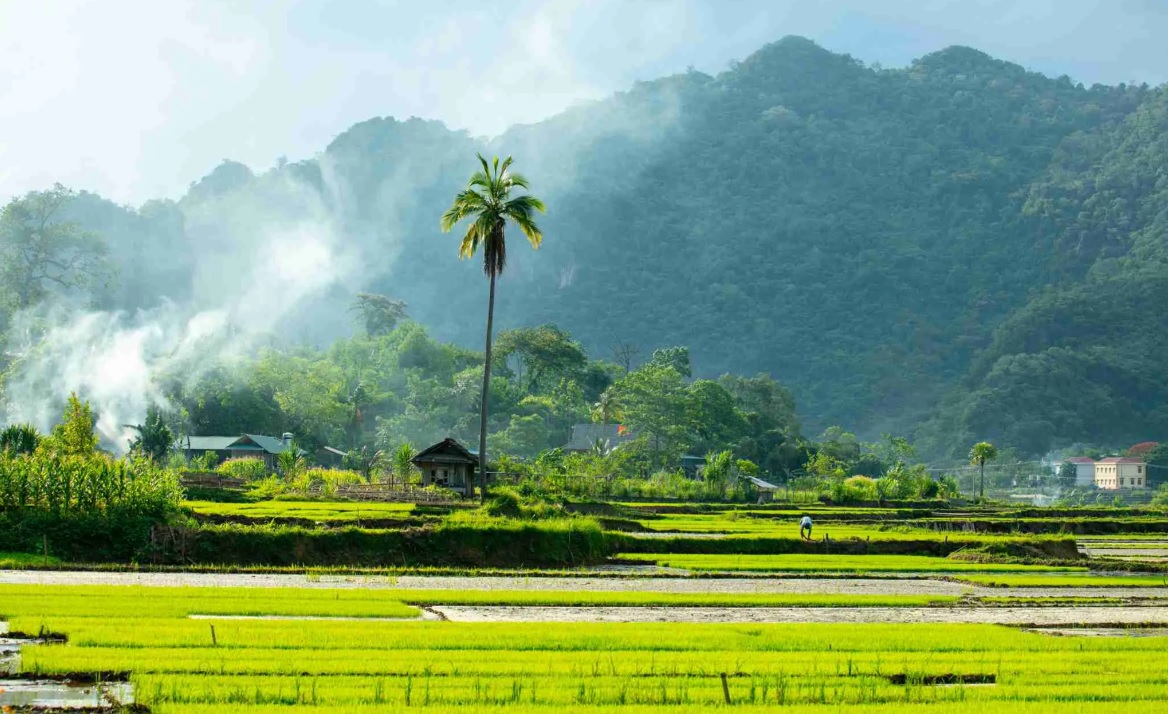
(486, 396)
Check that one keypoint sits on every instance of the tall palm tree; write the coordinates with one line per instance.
(488, 201)
(982, 452)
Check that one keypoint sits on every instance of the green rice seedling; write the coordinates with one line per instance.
(325, 511)
(267, 666)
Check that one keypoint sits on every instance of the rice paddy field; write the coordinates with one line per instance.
(198, 650)
(793, 563)
(693, 614)
(332, 511)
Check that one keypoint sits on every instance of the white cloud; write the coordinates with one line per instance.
(136, 99)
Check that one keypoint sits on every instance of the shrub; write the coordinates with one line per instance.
(1161, 497)
(507, 502)
(854, 489)
(20, 439)
(247, 469)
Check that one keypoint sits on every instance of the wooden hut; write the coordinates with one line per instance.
(448, 464)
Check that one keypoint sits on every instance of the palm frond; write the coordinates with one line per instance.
(487, 200)
(465, 204)
(470, 242)
(519, 210)
(516, 181)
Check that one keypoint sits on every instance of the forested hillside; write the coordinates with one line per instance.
(958, 249)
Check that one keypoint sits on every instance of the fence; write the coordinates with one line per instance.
(209, 479)
(388, 493)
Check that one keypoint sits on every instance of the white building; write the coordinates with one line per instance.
(1084, 470)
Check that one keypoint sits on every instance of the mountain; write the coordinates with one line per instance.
(957, 249)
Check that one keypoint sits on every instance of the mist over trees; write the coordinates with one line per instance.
(959, 251)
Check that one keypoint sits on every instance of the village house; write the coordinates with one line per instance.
(766, 490)
(448, 464)
(329, 457)
(1084, 470)
(244, 446)
(588, 437)
(1117, 473)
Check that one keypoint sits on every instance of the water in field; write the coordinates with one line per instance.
(46, 693)
(1103, 631)
(9, 655)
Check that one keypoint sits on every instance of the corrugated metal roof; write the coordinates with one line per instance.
(763, 485)
(584, 436)
(270, 444)
(207, 443)
(243, 442)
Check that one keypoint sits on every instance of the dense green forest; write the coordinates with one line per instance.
(956, 250)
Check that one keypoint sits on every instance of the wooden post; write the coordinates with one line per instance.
(214, 642)
(726, 688)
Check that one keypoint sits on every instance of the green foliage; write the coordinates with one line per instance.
(86, 506)
(42, 252)
(403, 468)
(488, 201)
(19, 439)
(291, 462)
(982, 452)
(203, 462)
(247, 469)
(324, 481)
(1157, 460)
(63, 483)
(74, 435)
(540, 357)
(855, 489)
(379, 313)
(675, 357)
(509, 503)
(1161, 497)
(366, 461)
(957, 249)
(155, 439)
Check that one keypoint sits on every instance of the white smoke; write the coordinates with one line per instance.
(250, 286)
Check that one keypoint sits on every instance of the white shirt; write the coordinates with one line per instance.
(806, 522)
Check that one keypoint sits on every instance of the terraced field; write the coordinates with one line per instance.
(887, 611)
(789, 563)
(325, 511)
(177, 663)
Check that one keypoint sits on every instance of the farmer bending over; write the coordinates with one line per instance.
(805, 526)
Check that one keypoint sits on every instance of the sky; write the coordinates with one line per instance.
(135, 99)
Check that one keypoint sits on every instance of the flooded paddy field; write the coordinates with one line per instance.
(1029, 616)
(182, 649)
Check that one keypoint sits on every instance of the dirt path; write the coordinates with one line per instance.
(800, 586)
(1039, 616)
(753, 585)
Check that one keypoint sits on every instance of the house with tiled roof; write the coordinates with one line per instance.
(1121, 472)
